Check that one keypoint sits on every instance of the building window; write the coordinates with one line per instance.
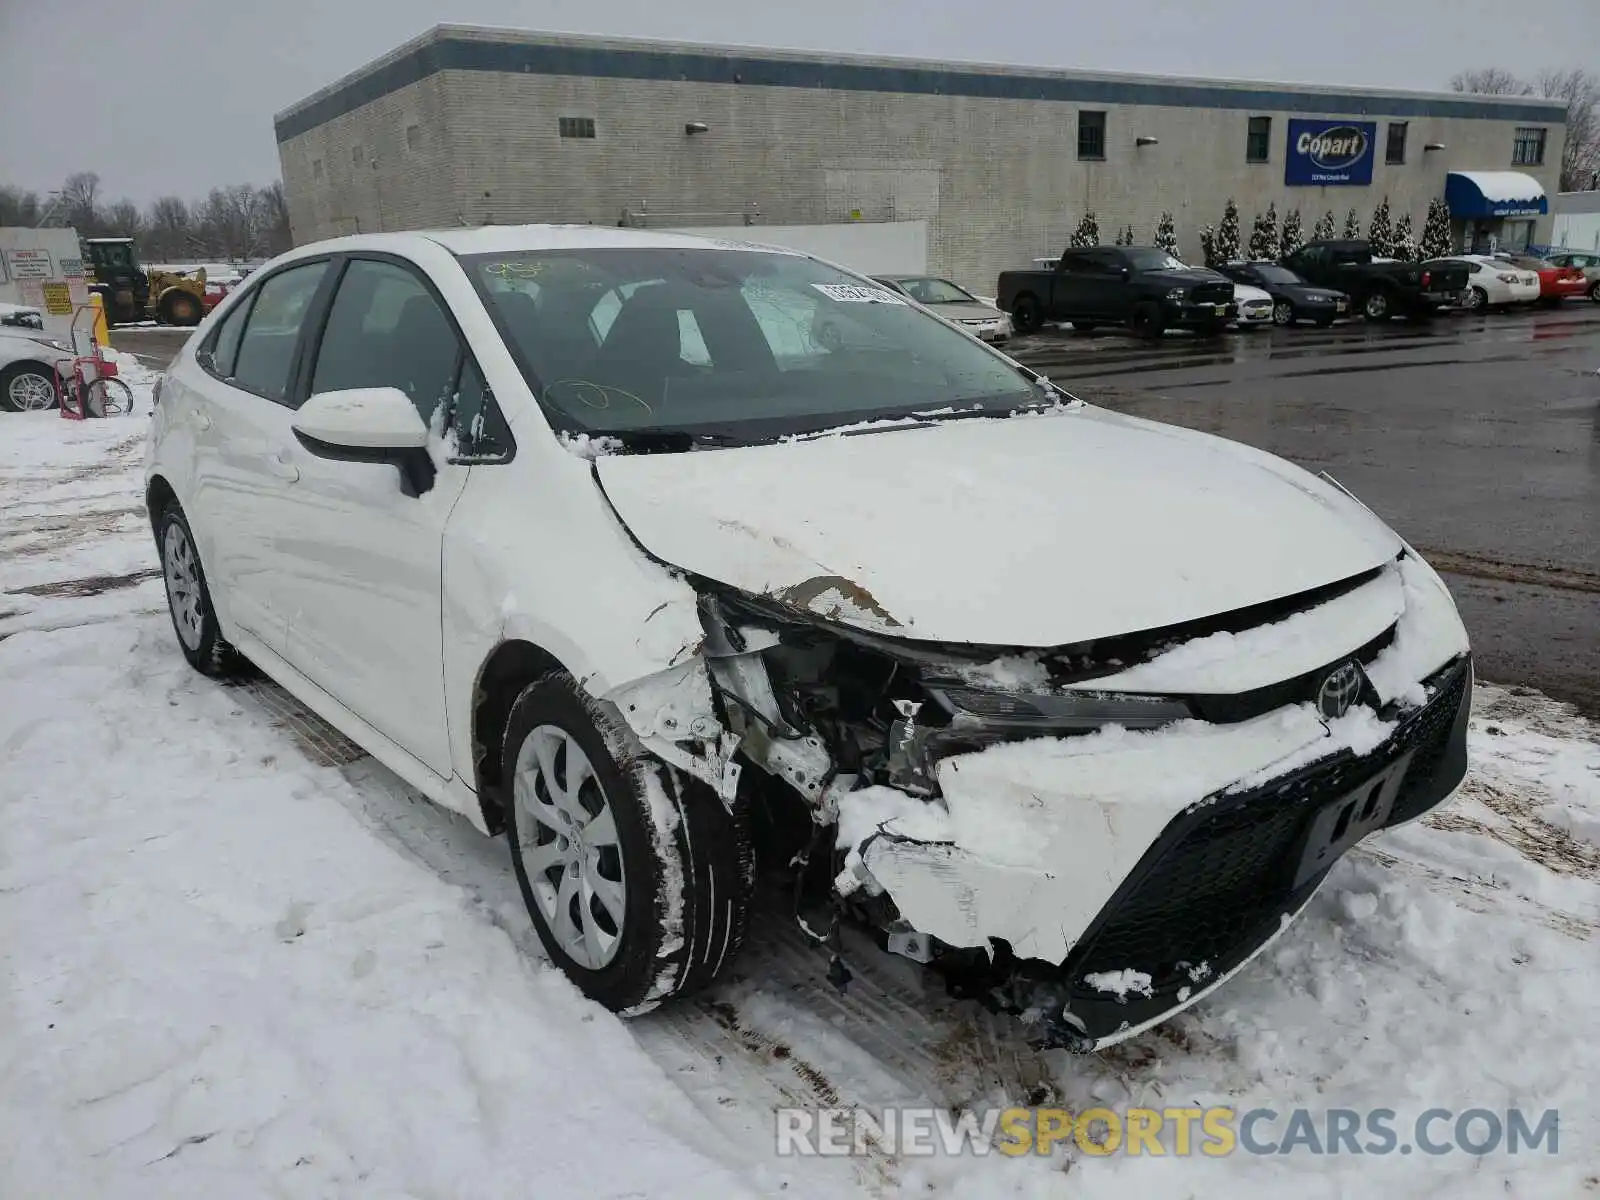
(576, 127)
(1528, 149)
(355, 154)
(316, 169)
(1091, 135)
(1258, 145)
(413, 137)
(1397, 143)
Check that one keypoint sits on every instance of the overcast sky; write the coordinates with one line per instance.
(175, 96)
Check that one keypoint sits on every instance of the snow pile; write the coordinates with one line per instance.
(231, 971)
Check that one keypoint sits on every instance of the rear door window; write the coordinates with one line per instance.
(264, 362)
(224, 348)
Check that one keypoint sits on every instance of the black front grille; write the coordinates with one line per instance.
(1212, 293)
(1218, 881)
(1243, 706)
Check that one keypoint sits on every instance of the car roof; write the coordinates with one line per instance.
(513, 239)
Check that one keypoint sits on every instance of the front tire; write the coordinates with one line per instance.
(637, 878)
(1147, 321)
(194, 617)
(1594, 292)
(1283, 313)
(180, 308)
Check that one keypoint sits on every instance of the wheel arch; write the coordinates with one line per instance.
(511, 666)
(158, 493)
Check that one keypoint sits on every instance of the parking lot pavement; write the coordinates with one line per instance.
(1477, 437)
(153, 345)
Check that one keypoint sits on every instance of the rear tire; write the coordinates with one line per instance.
(28, 387)
(1594, 292)
(1026, 314)
(1477, 299)
(1376, 307)
(670, 858)
(194, 617)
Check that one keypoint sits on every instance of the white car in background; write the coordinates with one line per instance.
(1493, 283)
(672, 558)
(28, 360)
(1255, 306)
(954, 303)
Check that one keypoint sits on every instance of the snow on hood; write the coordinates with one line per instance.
(1029, 531)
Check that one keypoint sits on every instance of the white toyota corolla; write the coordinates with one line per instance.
(572, 527)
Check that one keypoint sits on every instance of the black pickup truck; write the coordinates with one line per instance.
(1143, 287)
(1379, 290)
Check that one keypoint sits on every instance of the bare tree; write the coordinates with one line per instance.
(168, 232)
(1580, 153)
(80, 202)
(123, 219)
(18, 207)
(1490, 81)
(1579, 89)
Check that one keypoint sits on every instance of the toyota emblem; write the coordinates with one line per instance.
(1338, 690)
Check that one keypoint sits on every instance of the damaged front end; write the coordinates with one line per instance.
(1090, 836)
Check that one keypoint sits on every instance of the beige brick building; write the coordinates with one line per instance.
(465, 126)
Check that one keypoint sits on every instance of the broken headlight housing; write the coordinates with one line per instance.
(883, 708)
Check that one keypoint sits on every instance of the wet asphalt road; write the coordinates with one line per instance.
(1477, 437)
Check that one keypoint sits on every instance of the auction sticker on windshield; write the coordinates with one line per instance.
(850, 293)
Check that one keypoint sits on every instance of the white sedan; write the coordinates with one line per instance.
(27, 368)
(1494, 283)
(669, 557)
(1255, 306)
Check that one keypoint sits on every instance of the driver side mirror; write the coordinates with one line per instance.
(368, 425)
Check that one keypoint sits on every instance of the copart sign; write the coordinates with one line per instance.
(1323, 153)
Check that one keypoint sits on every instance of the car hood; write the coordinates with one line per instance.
(965, 311)
(1024, 531)
(1248, 291)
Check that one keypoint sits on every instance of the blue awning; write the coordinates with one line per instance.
(1473, 195)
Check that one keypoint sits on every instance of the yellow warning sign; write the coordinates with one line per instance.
(57, 300)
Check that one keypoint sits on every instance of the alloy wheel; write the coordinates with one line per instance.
(182, 575)
(1283, 313)
(30, 392)
(567, 835)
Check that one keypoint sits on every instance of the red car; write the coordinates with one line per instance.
(1555, 283)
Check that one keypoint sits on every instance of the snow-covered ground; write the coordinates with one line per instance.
(240, 959)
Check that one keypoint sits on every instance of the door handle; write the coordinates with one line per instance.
(200, 418)
(282, 467)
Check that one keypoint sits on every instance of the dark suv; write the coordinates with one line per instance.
(1143, 287)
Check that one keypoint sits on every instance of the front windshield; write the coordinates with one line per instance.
(1269, 273)
(935, 291)
(731, 343)
(1149, 259)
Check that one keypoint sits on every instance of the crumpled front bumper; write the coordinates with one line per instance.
(1128, 873)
